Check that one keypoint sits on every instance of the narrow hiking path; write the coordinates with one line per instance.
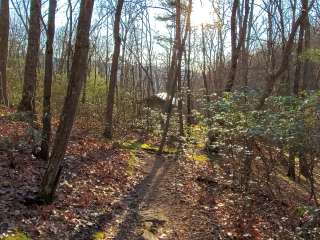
(119, 191)
(164, 205)
(189, 198)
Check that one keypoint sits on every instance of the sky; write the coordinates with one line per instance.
(201, 14)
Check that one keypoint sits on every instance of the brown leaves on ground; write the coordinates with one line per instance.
(94, 177)
(201, 199)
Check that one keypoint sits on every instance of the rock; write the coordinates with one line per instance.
(152, 223)
(155, 216)
(147, 235)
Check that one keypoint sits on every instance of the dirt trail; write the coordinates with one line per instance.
(157, 208)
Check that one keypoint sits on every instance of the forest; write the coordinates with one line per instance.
(159, 119)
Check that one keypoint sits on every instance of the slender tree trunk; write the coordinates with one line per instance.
(4, 36)
(234, 52)
(175, 69)
(114, 71)
(173, 75)
(237, 45)
(69, 45)
(78, 73)
(204, 72)
(303, 165)
(180, 104)
(27, 103)
(107, 58)
(292, 166)
(307, 39)
(189, 107)
(245, 50)
(297, 75)
(46, 117)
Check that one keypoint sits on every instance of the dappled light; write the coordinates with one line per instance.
(159, 120)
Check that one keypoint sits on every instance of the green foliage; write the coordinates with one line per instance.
(15, 236)
(200, 158)
(286, 121)
(136, 145)
(98, 236)
(312, 54)
(301, 210)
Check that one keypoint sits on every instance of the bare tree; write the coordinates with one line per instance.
(236, 45)
(4, 35)
(307, 69)
(175, 68)
(78, 73)
(272, 76)
(27, 103)
(114, 71)
(46, 117)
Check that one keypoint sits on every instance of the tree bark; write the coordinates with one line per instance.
(77, 75)
(173, 74)
(114, 71)
(4, 36)
(69, 45)
(307, 42)
(188, 76)
(292, 166)
(204, 72)
(27, 103)
(175, 68)
(297, 75)
(46, 116)
(236, 45)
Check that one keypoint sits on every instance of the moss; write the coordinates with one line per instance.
(149, 147)
(98, 236)
(131, 144)
(170, 150)
(199, 158)
(16, 236)
(135, 145)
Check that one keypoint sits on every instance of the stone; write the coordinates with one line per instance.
(147, 235)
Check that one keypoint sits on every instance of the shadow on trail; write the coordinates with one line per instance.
(134, 199)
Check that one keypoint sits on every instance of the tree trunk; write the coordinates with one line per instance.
(69, 45)
(292, 166)
(175, 69)
(46, 117)
(204, 73)
(173, 75)
(303, 165)
(307, 39)
(245, 49)
(236, 46)
(297, 75)
(27, 103)
(77, 75)
(188, 76)
(4, 36)
(114, 71)
(234, 56)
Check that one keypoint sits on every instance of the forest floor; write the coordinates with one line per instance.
(124, 190)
